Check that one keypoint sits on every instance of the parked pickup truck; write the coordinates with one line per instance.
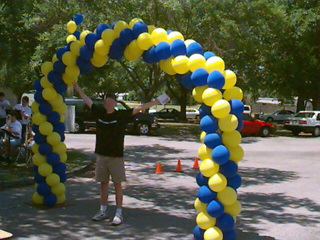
(304, 121)
(141, 123)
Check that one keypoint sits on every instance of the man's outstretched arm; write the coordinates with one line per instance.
(163, 98)
(84, 97)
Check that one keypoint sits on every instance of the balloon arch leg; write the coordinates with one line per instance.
(204, 72)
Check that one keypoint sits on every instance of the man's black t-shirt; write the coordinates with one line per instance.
(110, 130)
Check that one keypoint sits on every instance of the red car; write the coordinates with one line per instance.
(252, 126)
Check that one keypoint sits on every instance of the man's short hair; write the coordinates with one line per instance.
(2, 94)
(26, 99)
(110, 95)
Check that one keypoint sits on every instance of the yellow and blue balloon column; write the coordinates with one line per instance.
(204, 72)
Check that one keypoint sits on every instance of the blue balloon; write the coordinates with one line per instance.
(229, 235)
(229, 169)
(37, 85)
(54, 77)
(78, 18)
(45, 149)
(63, 177)
(39, 138)
(204, 110)
(234, 182)
(225, 222)
(91, 40)
(163, 50)
(194, 48)
(212, 140)
(201, 180)
(215, 208)
(60, 168)
(209, 124)
(77, 34)
(85, 66)
(35, 168)
(185, 80)
(53, 118)
(208, 55)
(216, 80)
(59, 67)
(116, 51)
(86, 53)
(199, 77)
(150, 55)
(101, 27)
(138, 28)
(45, 108)
(237, 107)
(43, 189)
(178, 48)
(38, 97)
(126, 36)
(38, 178)
(220, 154)
(240, 124)
(198, 233)
(35, 128)
(61, 88)
(59, 128)
(61, 51)
(53, 159)
(205, 194)
(62, 136)
(50, 200)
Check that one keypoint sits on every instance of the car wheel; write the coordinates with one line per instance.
(143, 129)
(78, 127)
(295, 132)
(316, 132)
(269, 119)
(265, 131)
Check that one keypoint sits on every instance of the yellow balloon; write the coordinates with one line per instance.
(45, 169)
(75, 48)
(151, 28)
(233, 209)
(71, 26)
(200, 206)
(227, 196)
(45, 82)
(69, 59)
(45, 128)
(60, 148)
(215, 63)
(119, 26)
(208, 167)
(49, 93)
(54, 59)
(231, 139)
(233, 93)
(46, 67)
(83, 35)
(72, 71)
(35, 148)
(197, 93)
(58, 189)
(213, 233)
(188, 42)
(37, 198)
(53, 138)
(53, 179)
(205, 221)
(174, 35)
(210, 96)
(217, 182)
(38, 159)
(196, 61)
(159, 35)
(62, 119)
(180, 64)
(101, 48)
(204, 152)
(144, 41)
(61, 198)
(228, 123)
(69, 80)
(220, 108)
(134, 21)
(63, 157)
(130, 56)
(134, 49)
(35, 107)
(62, 108)
(166, 66)
(108, 36)
(58, 100)
(230, 79)
(236, 153)
(71, 38)
(202, 135)
(38, 118)
(98, 60)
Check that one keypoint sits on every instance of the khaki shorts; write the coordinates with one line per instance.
(110, 166)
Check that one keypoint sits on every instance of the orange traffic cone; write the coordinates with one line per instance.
(159, 169)
(178, 168)
(196, 163)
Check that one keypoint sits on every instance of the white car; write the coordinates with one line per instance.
(304, 121)
(192, 114)
(278, 116)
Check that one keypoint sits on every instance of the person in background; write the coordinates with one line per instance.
(110, 131)
(4, 104)
(25, 115)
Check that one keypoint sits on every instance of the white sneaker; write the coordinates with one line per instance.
(117, 220)
(100, 216)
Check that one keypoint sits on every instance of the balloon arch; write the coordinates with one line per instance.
(204, 72)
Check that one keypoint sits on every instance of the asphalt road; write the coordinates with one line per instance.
(280, 193)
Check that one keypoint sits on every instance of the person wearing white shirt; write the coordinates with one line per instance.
(4, 104)
(25, 114)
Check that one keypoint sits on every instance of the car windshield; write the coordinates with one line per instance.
(305, 115)
(246, 108)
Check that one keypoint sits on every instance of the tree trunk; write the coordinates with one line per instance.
(301, 104)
